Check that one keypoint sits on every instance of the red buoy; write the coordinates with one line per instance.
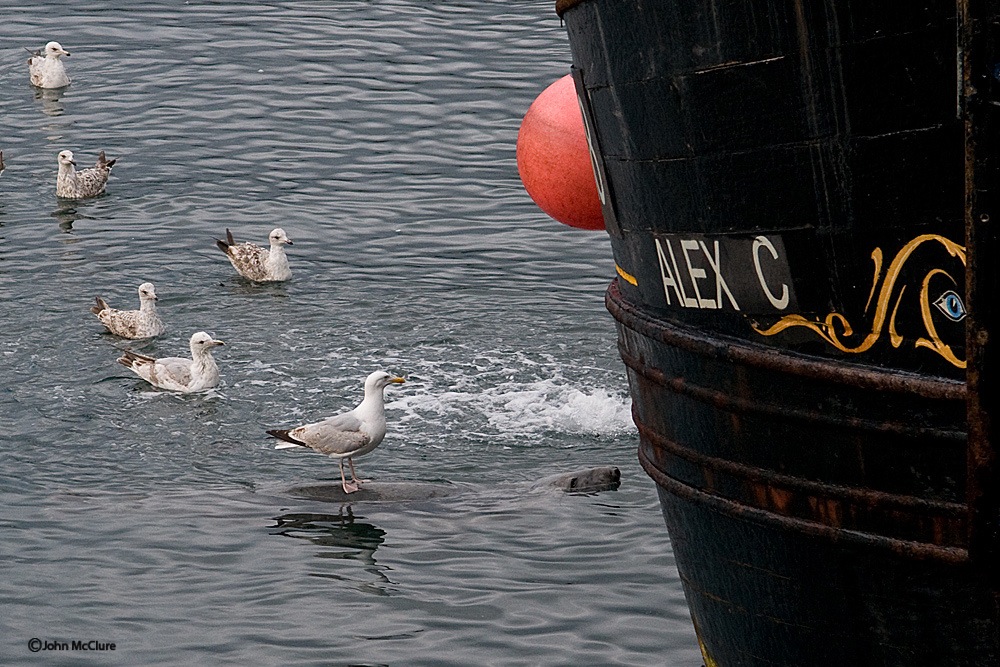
(554, 160)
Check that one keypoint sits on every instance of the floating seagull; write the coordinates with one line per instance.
(177, 373)
(142, 323)
(48, 71)
(2, 165)
(348, 434)
(89, 182)
(256, 263)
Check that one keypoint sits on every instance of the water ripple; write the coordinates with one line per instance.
(381, 137)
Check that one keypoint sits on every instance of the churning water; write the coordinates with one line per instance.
(381, 137)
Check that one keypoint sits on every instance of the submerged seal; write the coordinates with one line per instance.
(374, 491)
(585, 480)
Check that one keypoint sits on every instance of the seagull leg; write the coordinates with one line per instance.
(354, 475)
(348, 488)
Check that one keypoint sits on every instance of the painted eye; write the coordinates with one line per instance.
(951, 305)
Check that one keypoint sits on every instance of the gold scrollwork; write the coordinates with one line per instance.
(827, 329)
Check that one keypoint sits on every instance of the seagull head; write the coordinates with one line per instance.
(379, 380)
(277, 237)
(202, 342)
(55, 50)
(147, 292)
(66, 157)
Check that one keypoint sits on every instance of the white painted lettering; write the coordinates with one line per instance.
(720, 282)
(696, 274)
(686, 301)
(668, 277)
(778, 302)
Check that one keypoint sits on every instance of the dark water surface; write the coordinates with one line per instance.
(381, 137)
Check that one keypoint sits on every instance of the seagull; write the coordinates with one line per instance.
(89, 182)
(2, 165)
(348, 434)
(142, 323)
(256, 263)
(177, 373)
(48, 71)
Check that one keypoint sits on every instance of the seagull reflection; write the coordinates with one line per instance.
(51, 98)
(66, 216)
(341, 537)
(241, 286)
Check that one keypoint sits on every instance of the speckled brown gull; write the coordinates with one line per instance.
(346, 435)
(142, 323)
(177, 373)
(256, 263)
(89, 182)
(46, 69)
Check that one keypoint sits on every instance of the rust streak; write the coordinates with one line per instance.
(735, 404)
(905, 548)
(865, 497)
(564, 5)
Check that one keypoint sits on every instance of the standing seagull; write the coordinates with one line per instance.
(256, 263)
(349, 434)
(142, 323)
(48, 71)
(177, 373)
(89, 182)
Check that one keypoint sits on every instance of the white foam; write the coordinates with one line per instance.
(460, 396)
(521, 408)
(550, 406)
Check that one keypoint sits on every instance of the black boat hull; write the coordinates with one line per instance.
(786, 186)
(798, 538)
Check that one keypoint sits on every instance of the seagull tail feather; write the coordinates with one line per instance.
(104, 162)
(282, 434)
(127, 358)
(101, 305)
(130, 358)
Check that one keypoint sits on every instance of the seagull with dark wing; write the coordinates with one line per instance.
(177, 373)
(46, 69)
(89, 182)
(348, 434)
(142, 323)
(256, 263)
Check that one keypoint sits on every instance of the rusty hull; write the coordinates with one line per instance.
(801, 202)
(816, 509)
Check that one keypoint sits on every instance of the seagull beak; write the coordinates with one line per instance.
(217, 342)
(65, 53)
(397, 380)
(289, 242)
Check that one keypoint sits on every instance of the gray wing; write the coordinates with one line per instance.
(171, 372)
(339, 435)
(34, 69)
